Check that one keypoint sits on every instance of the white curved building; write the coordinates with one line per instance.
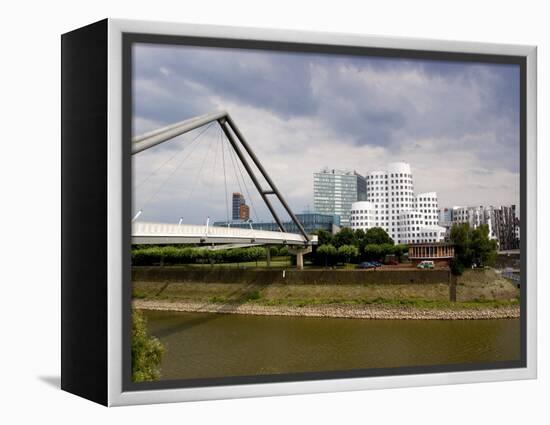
(362, 215)
(393, 206)
(426, 203)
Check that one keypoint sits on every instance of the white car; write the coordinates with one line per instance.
(426, 264)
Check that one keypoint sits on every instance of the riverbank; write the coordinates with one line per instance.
(367, 311)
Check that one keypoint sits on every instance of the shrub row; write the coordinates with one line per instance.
(146, 256)
(328, 254)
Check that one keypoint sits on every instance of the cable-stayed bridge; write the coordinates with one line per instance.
(167, 233)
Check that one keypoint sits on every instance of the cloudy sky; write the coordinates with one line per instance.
(456, 123)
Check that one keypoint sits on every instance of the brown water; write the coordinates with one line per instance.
(202, 345)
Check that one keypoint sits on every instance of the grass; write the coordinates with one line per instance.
(481, 295)
(255, 297)
(411, 303)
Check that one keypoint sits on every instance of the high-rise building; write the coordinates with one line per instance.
(335, 190)
(238, 200)
(506, 225)
(475, 216)
(502, 222)
(393, 206)
(244, 212)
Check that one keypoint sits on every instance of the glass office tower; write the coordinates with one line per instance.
(335, 190)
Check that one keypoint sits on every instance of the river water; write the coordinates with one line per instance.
(203, 345)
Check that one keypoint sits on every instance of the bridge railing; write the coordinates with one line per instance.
(147, 229)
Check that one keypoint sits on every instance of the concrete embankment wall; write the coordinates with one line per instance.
(290, 277)
(180, 283)
(508, 260)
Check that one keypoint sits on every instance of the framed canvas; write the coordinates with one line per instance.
(251, 212)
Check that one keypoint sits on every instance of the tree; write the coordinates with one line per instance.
(373, 252)
(472, 246)
(359, 236)
(323, 237)
(484, 250)
(377, 236)
(348, 253)
(328, 252)
(399, 250)
(460, 237)
(146, 351)
(345, 236)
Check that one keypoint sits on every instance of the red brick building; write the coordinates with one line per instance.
(244, 212)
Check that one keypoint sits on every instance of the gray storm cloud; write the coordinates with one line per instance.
(457, 124)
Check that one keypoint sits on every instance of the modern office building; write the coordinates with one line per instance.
(446, 218)
(393, 206)
(335, 190)
(506, 225)
(237, 207)
(244, 212)
(311, 222)
(362, 215)
(502, 222)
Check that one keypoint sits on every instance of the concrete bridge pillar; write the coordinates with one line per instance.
(300, 252)
(268, 255)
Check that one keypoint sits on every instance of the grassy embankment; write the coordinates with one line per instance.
(475, 290)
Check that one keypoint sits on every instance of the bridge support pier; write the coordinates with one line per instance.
(300, 252)
(268, 255)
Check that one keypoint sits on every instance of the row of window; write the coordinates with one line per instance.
(385, 176)
(393, 182)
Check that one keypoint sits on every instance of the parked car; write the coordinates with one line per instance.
(426, 264)
(366, 265)
(376, 263)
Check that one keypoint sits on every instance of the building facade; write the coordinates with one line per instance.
(311, 222)
(393, 206)
(244, 212)
(475, 216)
(446, 219)
(506, 225)
(440, 253)
(502, 222)
(237, 201)
(335, 190)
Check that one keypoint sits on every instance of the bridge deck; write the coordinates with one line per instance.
(164, 233)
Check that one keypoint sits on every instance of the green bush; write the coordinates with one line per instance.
(328, 253)
(171, 255)
(348, 253)
(146, 351)
(373, 252)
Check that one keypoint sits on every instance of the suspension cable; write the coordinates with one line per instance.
(159, 189)
(178, 152)
(234, 170)
(212, 180)
(237, 161)
(224, 178)
(194, 185)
